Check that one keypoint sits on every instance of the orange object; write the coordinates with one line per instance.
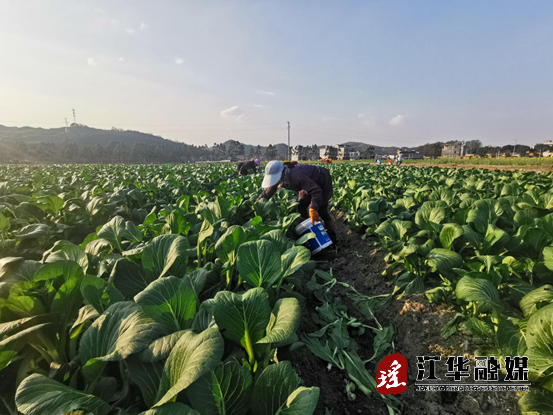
(314, 215)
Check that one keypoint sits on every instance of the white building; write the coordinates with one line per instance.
(340, 152)
(303, 153)
(328, 152)
(347, 153)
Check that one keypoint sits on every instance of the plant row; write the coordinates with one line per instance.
(480, 241)
(148, 289)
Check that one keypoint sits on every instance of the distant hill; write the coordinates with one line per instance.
(84, 135)
(80, 134)
(82, 144)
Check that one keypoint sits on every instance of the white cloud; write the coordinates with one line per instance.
(143, 25)
(397, 120)
(361, 115)
(91, 61)
(100, 10)
(259, 106)
(179, 60)
(121, 59)
(268, 93)
(131, 31)
(235, 113)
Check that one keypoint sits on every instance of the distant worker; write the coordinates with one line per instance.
(247, 167)
(399, 159)
(313, 185)
(378, 161)
(390, 161)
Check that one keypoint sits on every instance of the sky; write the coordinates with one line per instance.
(381, 72)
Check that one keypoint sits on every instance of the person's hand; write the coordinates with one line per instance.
(303, 194)
(314, 215)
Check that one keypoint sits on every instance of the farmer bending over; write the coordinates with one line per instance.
(247, 167)
(314, 187)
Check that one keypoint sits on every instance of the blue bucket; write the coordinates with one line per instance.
(321, 240)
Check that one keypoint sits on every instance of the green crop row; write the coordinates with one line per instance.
(506, 161)
(479, 240)
(147, 289)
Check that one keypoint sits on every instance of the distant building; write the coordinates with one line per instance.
(548, 143)
(328, 152)
(411, 155)
(346, 152)
(354, 155)
(303, 153)
(454, 149)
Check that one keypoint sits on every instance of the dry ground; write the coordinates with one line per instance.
(417, 324)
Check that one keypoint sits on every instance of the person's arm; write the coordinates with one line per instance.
(268, 193)
(239, 169)
(313, 190)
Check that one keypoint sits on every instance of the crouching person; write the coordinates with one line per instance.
(313, 185)
(248, 167)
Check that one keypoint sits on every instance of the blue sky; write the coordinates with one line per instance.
(381, 72)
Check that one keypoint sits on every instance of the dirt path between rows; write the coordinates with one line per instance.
(417, 325)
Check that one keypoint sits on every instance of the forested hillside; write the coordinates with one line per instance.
(82, 144)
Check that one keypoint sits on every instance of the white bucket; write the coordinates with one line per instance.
(321, 240)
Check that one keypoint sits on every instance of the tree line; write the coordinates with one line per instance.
(119, 152)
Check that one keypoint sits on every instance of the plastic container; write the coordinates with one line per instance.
(321, 240)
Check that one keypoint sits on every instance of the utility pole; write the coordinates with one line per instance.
(515, 147)
(74, 117)
(289, 149)
(66, 125)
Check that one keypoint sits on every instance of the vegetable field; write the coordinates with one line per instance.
(477, 240)
(507, 161)
(118, 282)
(166, 290)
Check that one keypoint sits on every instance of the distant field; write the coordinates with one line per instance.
(512, 161)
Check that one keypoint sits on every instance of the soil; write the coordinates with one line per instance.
(417, 326)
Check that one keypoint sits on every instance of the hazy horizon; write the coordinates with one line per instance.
(400, 74)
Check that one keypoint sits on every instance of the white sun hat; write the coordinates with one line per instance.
(273, 173)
